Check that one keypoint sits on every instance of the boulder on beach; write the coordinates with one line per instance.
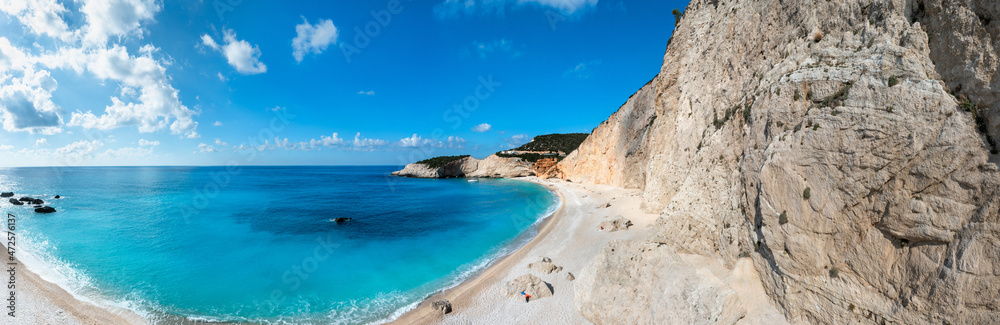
(528, 284)
(545, 266)
(7, 194)
(16, 202)
(616, 224)
(443, 306)
(569, 276)
(45, 209)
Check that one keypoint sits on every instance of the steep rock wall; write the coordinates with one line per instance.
(759, 102)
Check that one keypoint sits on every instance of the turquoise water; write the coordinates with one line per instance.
(256, 244)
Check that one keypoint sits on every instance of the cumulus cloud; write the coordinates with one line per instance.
(313, 38)
(220, 143)
(41, 142)
(81, 148)
(416, 141)
(240, 54)
(362, 142)
(41, 17)
(217, 123)
(482, 127)
(116, 18)
(204, 148)
(6, 147)
(455, 8)
(147, 143)
(516, 140)
(367, 93)
(153, 107)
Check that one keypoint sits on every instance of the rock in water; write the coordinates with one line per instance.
(16, 202)
(341, 221)
(616, 224)
(26, 199)
(37, 201)
(45, 209)
(443, 306)
(56, 197)
(7, 194)
(545, 266)
(528, 284)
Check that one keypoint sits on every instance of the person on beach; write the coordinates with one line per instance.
(526, 296)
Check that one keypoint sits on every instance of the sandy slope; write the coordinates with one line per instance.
(570, 238)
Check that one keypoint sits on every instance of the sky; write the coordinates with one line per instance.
(250, 82)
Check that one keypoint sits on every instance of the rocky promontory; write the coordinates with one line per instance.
(492, 166)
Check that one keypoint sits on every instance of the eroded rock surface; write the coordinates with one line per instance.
(491, 166)
(866, 104)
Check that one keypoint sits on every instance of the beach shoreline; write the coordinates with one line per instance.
(40, 301)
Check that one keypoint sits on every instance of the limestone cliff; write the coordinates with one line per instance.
(843, 146)
(491, 166)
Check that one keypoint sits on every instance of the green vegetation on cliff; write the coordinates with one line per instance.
(546, 146)
(438, 162)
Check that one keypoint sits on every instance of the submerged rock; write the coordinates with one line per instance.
(45, 209)
(341, 221)
(7, 194)
(443, 306)
(528, 284)
(16, 202)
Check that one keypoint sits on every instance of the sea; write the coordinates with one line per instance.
(260, 244)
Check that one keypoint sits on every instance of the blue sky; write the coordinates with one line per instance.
(214, 82)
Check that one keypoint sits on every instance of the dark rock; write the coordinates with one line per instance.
(443, 306)
(45, 209)
(56, 197)
(26, 199)
(16, 202)
(37, 201)
(340, 221)
(7, 194)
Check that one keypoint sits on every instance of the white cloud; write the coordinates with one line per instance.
(456, 142)
(81, 148)
(42, 17)
(416, 141)
(411, 142)
(313, 38)
(361, 142)
(455, 8)
(239, 53)
(502, 45)
(276, 108)
(482, 127)
(217, 123)
(367, 93)
(6, 147)
(204, 148)
(516, 141)
(221, 77)
(41, 142)
(156, 104)
(220, 143)
(192, 135)
(107, 18)
(583, 70)
(147, 143)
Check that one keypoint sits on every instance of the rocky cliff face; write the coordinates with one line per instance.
(492, 166)
(843, 146)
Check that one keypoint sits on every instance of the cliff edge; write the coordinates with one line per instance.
(489, 167)
(847, 148)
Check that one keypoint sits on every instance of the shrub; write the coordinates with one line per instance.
(438, 162)
(783, 218)
(967, 105)
(796, 96)
(834, 272)
(806, 193)
(893, 81)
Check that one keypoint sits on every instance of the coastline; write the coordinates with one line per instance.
(43, 302)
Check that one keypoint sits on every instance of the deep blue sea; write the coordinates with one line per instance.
(256, 243)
